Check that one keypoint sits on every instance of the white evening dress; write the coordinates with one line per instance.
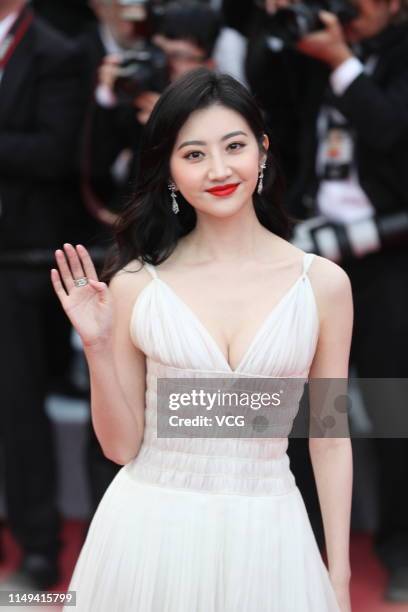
(204, 524)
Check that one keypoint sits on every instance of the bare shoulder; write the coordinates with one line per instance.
(329, 281)
(128, 282)
(331, 285)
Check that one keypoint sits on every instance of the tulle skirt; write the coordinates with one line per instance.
(151, 548)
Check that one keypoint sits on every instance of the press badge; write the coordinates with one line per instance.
(336, 148)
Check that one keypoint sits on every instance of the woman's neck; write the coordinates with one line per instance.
(235, 238)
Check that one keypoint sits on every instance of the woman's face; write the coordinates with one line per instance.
(215, 161)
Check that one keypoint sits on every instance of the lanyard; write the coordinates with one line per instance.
(15, 36)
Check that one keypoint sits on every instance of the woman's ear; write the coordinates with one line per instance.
(264, 147)
(270, 170)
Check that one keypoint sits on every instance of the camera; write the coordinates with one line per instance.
(144, 67)
(292, 23)
(342, 242)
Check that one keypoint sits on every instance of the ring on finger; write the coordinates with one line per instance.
(81, 282)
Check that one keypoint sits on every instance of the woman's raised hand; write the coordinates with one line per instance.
(89, 307)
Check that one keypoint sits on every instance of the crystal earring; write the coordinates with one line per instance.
(175, 206)
(261, 176)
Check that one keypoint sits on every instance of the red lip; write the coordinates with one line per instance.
(223, 190)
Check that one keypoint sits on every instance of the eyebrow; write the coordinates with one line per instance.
(201, 142)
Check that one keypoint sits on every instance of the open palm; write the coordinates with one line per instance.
(88, 307)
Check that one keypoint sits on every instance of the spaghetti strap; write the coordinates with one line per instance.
(151, 269)
(307, 260)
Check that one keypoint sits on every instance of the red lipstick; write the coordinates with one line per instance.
(223, 190)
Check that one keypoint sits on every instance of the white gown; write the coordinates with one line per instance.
(204, 524)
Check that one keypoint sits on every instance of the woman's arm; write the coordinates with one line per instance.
(117, 375)
(332, 456)
(101, 316)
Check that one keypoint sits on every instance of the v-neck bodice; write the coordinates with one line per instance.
(169, 332)
(178, 346)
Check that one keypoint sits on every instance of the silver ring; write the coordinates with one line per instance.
(81, 282)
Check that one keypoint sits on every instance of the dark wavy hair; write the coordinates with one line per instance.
(147, 230)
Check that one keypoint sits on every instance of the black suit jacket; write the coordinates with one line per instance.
(376, 107)
(40, 113)
(68, 16)
(107, 132)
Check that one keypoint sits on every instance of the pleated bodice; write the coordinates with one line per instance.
(177, 345)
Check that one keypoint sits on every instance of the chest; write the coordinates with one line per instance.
(231, 314)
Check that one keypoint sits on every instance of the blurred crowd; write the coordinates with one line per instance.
(78, 81)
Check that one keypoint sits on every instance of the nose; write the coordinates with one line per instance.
(219, 169)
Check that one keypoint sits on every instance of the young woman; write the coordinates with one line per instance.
(203, 283)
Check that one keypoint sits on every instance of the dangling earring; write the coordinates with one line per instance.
(261, 176)
(175, 206)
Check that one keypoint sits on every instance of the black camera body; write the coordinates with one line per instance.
(291, 24)
(142, 69)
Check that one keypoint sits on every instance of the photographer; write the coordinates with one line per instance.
(40, 114)
(127, 88)
(67, 17)
(338, 90)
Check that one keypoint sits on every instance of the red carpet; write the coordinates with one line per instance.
(367, 586)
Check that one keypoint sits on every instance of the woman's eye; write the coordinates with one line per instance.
(193, 155)
(235, 146)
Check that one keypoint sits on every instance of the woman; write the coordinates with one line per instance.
(201, 523)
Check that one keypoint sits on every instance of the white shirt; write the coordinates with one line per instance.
(229, 54)
(343, 76)
(5, 25)
(108, 40)
(104, 96)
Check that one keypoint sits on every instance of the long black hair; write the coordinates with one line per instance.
(147, 229)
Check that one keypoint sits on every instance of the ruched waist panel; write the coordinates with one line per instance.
(242, 466)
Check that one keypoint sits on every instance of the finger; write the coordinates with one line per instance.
(98, 285)
(271, 6)
(57, 284)
(150, 104)
(74, 261)
(87, 262)
(64, 270)
(151, 97)
(101, 288)
(143, 117)
(141, 104)
(112, 58)
(106, 73)
(283, 3)
(328, 19)
(310, 41)
(111, 71)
